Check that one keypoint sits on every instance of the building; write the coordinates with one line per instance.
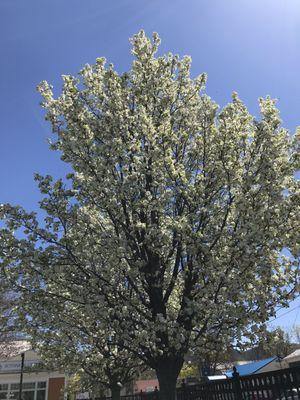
(146, 385)
(267, 365)
(255, 367)
(293, 359)
(38, 383)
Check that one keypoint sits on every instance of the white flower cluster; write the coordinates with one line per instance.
(170, 231)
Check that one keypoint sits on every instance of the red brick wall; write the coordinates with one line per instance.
(144, 384)
(55, 388)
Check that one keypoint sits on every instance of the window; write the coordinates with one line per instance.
(41, 385)
(40, 395)
(30, 391)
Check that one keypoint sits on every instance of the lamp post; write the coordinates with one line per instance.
(21, 376)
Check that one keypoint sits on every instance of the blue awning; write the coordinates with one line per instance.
(250, 368)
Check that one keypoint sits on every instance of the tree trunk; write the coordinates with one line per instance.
(115, 392)
(167, 373)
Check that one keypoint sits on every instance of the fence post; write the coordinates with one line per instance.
(237, 390)
(155, 393)
(183, 390)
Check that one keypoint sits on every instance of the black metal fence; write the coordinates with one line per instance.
(275, 385)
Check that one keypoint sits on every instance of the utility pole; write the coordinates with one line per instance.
(21, 376)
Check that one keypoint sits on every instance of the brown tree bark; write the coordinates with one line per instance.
(167, 372)
(115, 392)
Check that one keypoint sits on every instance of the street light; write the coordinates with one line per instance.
(21, 375)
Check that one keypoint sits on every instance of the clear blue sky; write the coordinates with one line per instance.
(248, 46)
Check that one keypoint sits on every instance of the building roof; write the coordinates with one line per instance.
(13, 348)
(250, 368)
(295, 354)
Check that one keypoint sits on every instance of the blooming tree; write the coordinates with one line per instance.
(173, 223)
(95, 359)
(8, 299)
(68, 329)
(276, 342)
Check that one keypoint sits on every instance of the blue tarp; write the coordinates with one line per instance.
(251, 368)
